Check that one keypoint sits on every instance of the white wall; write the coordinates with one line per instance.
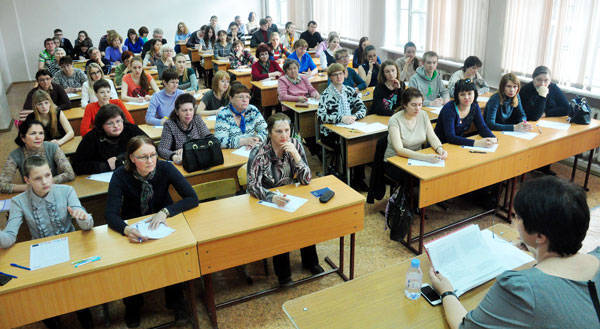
(31, 21)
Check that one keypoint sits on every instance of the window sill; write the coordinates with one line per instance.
(567, 89)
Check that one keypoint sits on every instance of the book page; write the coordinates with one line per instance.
(49, 253)
(293, 205)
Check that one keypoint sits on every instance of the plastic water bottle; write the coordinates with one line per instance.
(414, 277)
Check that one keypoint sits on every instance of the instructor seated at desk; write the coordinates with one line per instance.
(103, 148)
(275, 163)
(240, 123)
(456, 118)
(48, 209)
(556, 292)
(141, 188)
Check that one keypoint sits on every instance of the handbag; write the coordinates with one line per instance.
(202, 153)
(397, 214)
(579, 111)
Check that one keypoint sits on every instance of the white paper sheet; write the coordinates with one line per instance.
(5, 205)
(293, 205)
(420, 163)
(482, 149)
(435, 109)
(373, 127)
(137, 103)
(210, 118)
(157, 127)
(312, 101)
(242, 151)
(160, 232)
(356, 125)
(102, 177)
(71, 95)
(49, 253)
(270, 83)
(519, 134)
(243, 69)
(553, 125)
(483, 98)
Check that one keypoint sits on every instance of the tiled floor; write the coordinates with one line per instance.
(374, 251)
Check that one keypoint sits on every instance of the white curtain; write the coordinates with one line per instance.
(350, 18)
(561, 34)
(457, 29)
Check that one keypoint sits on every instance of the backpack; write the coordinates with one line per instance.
(398, 215)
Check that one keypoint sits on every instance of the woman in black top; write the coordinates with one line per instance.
(369, 70)
(103, 148)
(141, 188)
(388, 92)
(96, 57)
(57, 128)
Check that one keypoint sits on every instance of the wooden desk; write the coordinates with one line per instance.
(268, 94)
(70, 147)
(243, 76)
(226, 241)
(305, 118)
(221, 65)
(207, 58)
(75, 114)
(465, 172)
(376, 300)
(358, 147)
(125, 269)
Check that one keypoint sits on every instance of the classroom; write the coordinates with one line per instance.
(300, 164)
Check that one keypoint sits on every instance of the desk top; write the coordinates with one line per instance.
(70, 147)
(376, 300)
(213, 220)
(347, 133)
(240, 73)
(460, 159)
(114, 249)
(230, 160)
(321, 77)
(221, 61)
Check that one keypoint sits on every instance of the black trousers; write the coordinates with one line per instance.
(281, 263)
(332, 140)
(173, 298)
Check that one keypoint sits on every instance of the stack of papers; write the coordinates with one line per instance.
(553, 125)
(137, 103)
(435, 109)
(49, 253)
(293, 205)
(267, 83)
(420, 163)
(482, 149)
(243, 69)
(102, 177)
(312, 101)
(242, 151)
(364, 127)
(160, 232)
(519, 134)
(71, 95)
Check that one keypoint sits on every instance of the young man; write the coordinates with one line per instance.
(68, 77)
(429, 82)
(352, 79)
(47, 55)
(262, 35)
(64, 42)
(102, 90)
(312, 37)
(271, 26)
(156, 34)
(214, 20)
(57, 93)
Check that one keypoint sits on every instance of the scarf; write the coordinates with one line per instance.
(295, 82)
(242, 118)
(265, 67)
(147, 190)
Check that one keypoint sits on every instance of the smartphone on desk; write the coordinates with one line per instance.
(430, 295)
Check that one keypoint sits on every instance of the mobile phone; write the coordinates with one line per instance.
(430, 295)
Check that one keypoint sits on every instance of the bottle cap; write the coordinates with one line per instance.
(415, 263)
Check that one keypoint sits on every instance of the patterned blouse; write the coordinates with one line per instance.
(229, 133)
(76, 80)
(266, 170)
(246, 59)
(173, 136)
(333, 105)
(58, 162)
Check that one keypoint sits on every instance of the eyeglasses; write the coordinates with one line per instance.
(94, 72)
(146, 158)
(114, 123)
(44, 79)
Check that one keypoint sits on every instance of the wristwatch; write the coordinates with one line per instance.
(448, 293)
(165, 211)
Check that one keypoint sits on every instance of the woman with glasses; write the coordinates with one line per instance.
(141, 188)
(300, 54)
(94, 73)
(103, 148)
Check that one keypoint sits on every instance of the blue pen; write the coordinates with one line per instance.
(19, 266)
(12, 276)
(89, 260)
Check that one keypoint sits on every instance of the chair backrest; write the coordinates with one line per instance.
(243, 175)
(215, 189)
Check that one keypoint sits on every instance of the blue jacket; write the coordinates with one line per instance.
(555, 104)
(450, 129)
(353, 80)
(503, 116)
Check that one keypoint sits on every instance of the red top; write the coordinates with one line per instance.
(259, 73)
(133, 89)
(87, 123)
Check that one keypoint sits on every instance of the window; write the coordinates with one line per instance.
(278, 9)
(409, 23)
(349, 18)
(561, 34)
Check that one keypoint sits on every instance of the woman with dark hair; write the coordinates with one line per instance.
(240, 123)
(182, 126)
(542, 97)
(44, 82)
(81, 37)
(369, 70)
(265, 68)
(162, 102)
(240, 57)
(57, 128)
(123, 68)
(153, 53)
(252, 24)
(560, 290)
(102, 88)
(504, 110)
(208, 41)
(81, 48)
(136, 85)
(389, 89)
(134, 43)
(470, 70)
(31, 142)
(359, 53)
(103, 148)
(408, 63)
(141, 188)
(222, 48)
(457, 116)
(276, 162)
(234, 32)
(143, 32)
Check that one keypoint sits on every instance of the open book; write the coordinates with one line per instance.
(470, 257)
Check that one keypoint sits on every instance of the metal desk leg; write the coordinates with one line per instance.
(421, 230)
(588, 170)
(574, 168)
(513, 182)
(193, 308)
(352, 247)
(209, 299)
(344, 154)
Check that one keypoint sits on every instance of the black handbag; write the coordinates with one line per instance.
(579, 111)
(202, 153)
(398, 214)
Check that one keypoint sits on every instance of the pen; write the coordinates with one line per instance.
(539, 129)
(93, 259)
(472, 151)
(19, 266)
(12, 276)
